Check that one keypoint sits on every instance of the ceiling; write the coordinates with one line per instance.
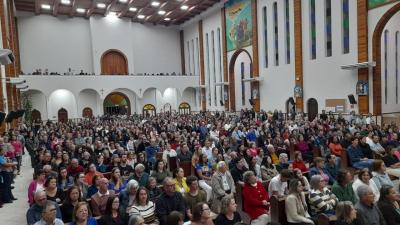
(122, 8)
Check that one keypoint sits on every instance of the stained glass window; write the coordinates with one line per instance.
(328, 27)
(276, 38)
(287, 28)
(346, 28)
(265, 37)
(313, 34)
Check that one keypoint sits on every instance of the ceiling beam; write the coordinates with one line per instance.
(126, 9)
(140, 11)
(91, 9)
(108, 9)
(37, 7)
(55, 7)
(162, 16)
(73, 8)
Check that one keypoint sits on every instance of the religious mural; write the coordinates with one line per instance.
(376, 3)
(238, 24)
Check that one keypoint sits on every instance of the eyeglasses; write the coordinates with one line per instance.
(206, 209)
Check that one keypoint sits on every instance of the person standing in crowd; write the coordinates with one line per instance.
(6, 195)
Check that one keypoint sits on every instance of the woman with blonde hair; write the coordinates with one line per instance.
(229, 214)
(295, 204)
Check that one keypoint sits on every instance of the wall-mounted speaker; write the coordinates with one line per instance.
(352, 100)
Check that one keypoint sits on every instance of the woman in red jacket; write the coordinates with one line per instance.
(255, 199)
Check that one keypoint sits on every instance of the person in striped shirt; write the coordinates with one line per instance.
(322, 200)
(143, 207)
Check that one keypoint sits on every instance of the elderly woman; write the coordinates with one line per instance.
(345, 213)
(322, 200)
(389, 206)
(222, 184)
(127, 197)
(82, 215)
(364, 177)
(228, 215)
(296, 205)
(255, 199)
(283, 162)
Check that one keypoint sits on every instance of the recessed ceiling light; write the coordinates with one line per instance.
(184, 7)
(46, 6)
(101, 5)
(81, 10)
(65, 2)
(161, 12)
(112, 14)
(167, 19)
(140, 16)
(132, 9)
(155, 3)
(123, 1)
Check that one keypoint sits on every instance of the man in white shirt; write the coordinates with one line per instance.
(278, 185)
(376, 146)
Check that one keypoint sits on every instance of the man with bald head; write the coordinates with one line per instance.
(99, 200)
(34, 213)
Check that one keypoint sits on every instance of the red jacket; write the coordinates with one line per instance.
(252, 199)
(300, 165)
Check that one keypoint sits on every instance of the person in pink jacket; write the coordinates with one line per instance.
(36, 185)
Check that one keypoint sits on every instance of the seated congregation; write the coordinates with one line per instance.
(213, 169)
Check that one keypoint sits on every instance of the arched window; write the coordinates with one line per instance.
(243, 84)
(149, 110)
(276, 38)
(184, 108)
(313, 33)
(386, 34)
(345, 26)
(287, 28)
(328, 28)
(265, 25)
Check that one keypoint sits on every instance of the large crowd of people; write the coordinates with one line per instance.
(206, 168)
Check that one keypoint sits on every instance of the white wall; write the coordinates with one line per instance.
(39, 103)
(242, 58)
(323, 77)
(54, 43)
(58, 43)
(389, 103)
(62, 98)
(88, 98)
(276, 79)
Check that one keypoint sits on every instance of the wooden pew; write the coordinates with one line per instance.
(344, 163)
(277, 210)
(291, 151)
(187, 167)
(316, 151)
(172, 163)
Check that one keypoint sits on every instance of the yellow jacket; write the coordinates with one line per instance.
(184, 185)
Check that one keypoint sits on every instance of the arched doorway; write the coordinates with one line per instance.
(149, 110)
(240, 77)
(62, 115)
(114, 62)
(184, 108)
(290, 108)
(87, 112)
(117, 103)
(376, 57)
(312, 107)
(35, 115)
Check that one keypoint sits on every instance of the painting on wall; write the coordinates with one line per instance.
(238, 24)
(377, 3)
